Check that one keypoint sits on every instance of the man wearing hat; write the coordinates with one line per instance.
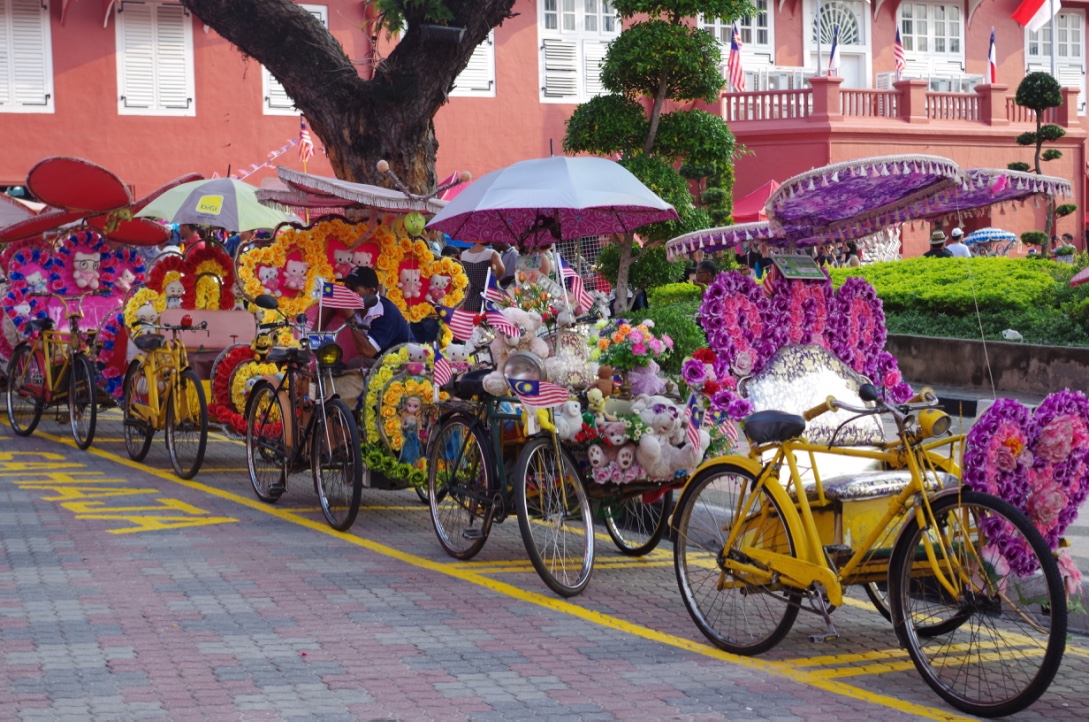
(937, 246)
(388, 326)
(957, 247)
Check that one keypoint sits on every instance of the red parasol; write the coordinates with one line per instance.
(77, 185)
(1080, 277)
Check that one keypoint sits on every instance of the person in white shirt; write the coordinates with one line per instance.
(957, 247)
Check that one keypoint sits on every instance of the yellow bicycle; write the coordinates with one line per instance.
(161, 391)
(973, 591)
(52, 368)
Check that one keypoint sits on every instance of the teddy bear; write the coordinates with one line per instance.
(615, 433)
(436, 291)
(342, 263)
(687, 456)
(362, 258)
(568, 420)
(527, 322)
(664, 427)
(604, 382)
(410, 282)
(295, 275)
(625, 457)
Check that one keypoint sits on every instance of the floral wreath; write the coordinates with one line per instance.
(805, 307)
(121, 259)
(205, 293)
(110, 372)
(137, 301)
(61, 278)
(459, 282)
(25, 259)
(220, 406)
(16, 297)
(407, 254)
(311, 246)
(858, 326)
(162, 271)
(241, 377)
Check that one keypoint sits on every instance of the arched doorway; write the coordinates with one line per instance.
(854, 39)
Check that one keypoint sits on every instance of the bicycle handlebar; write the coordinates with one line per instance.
(924, 399)
(172, 327)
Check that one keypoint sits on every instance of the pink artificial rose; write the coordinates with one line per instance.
(891, 379)
(639, 349)
(1070, 573)
(742, 365)
(994, 572)
(655, 346)
(1055, 440)
(730, 382)
(635, 337)
(667, 340)
(1045, 504)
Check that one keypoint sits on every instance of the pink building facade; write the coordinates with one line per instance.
(148, 91)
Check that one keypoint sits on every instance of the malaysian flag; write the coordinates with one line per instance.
(899, 58)
(333, 295)
(692, 432)
(493, 292)
(539, 394)
(461, 323)
(992, 61)
(833, 57)
(499, 322)
(583, 299)
(443, 371)
(306, 143)
(733, 65)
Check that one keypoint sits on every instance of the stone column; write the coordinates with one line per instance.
(825, 99)
(992, 104)
(912, 100)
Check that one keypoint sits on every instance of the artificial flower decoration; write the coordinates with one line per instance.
(289, 269)
(213, 270)
(626, 347)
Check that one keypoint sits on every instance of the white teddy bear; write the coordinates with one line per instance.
(665, 425)
(568, 420)
(502, 346)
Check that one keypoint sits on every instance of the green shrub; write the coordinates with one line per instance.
(674, 293)
(679, 321)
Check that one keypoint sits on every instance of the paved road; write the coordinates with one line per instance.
(126, 593)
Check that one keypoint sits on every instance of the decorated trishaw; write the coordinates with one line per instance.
(955, 538)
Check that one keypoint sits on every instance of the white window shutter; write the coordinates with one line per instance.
(174, 92)
(27, 73)
(1071, 76)
(593, 53)
(478, 77)
(138, 58)
(276, 100)
(560, 69)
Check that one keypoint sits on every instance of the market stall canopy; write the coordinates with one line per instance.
(724, 238)
(313, 192)
(221, 202)
(752, 208)
(12, 211)
(75, 184)
(540, 201)
(857, 198)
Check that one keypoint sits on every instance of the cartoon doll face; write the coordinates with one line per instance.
(437, 290)
(412, 406)
(342, 262)
(295, 275)
(362, 258)
(125, 280)
(85, 269)
(147, 313)
(35, 282)
(268, 276)
(410, 282)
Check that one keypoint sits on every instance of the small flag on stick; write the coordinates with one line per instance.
(539, 394)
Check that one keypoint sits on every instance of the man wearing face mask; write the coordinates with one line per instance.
(388, 326)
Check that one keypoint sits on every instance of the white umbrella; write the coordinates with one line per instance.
(987, 235)
(221, 202)
(537, 202)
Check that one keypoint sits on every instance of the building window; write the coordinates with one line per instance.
(574, 37)
(154, 59)
(1069, 52)
(26, 57)
(931, 28)
(478, 78)
(755, 31)
(276, 100)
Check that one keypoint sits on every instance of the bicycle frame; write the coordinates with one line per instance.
(165, 364)
(51, 344)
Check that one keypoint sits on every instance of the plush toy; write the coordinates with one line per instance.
(410, 283)
(687, 456)
(417, 358)
(436, 291)
(457, 355)
(362, 258)
(295, 275)
(604, 382)
(625, 456)
(269, 276)
(615, 433)
(174, 291)
(36, 283)
(85, 269)
(342, 263)
(568, 420)
(599, 456)
(495, 383)
(125, 280)
(664, 424)
(596, 403)
(646, 379)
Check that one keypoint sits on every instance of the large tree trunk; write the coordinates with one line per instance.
(359, 121)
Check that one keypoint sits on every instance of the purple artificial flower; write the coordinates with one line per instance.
(693, 372)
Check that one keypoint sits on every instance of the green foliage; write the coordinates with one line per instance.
(679, 321)
(696, 136)
(1023, 167)
(1065, 209)
(1034, 238)
(647, 53)
(663, 180)
(649, 269)
(607, 125)
(1039, 91)
(1026, 139)
(674, 293)
(715, 196)
(395, 15)
(1051, 154)
(1051, 133)
(676, 9)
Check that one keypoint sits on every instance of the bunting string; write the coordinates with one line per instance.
(272, 155)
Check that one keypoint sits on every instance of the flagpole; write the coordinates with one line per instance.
(817, 24)
(1054, 44)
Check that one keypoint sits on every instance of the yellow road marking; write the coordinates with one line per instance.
(783, 669)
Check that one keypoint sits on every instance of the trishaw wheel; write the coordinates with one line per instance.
(458, 470)
(337, 464)
(635, 526)
(878, 592)
(554, 516)
(187, 425)
(266, 443)
(82, 402)
(738, 614)
(1003, 632)
(26, 390)
(137, 432)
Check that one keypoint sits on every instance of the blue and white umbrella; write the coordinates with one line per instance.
(988, 235)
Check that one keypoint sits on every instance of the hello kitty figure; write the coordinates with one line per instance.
(270, 280)
(36, 283)
(362, 258)
(295, 275)
(22, 309)
(410, 283)
(125, 280)
(342, 263)
(174, 292)
(85, 269)
(437, 290)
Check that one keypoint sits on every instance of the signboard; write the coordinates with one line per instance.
(799, 268)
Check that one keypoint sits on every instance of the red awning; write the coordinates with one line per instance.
(750, 209)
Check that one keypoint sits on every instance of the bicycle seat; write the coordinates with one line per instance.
(286, 354)
(471, 385)
(149, 342)
(40, 324)
(766, 427)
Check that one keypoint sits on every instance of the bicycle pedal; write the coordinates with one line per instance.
(472, 534)
(817, 638)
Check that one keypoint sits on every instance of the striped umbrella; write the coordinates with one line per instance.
(987, 235)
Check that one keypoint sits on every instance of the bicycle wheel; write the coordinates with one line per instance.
(1006, 625)
(138, 432)
(337, 464)
(26, 390)
(635, 526)
(82, 401)
(458, 484)
(554, 516)
(187, 425)
(266, 443)
(738, 614)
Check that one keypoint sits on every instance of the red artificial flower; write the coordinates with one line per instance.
(704, 355)
(710, 388)
(478, 319)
